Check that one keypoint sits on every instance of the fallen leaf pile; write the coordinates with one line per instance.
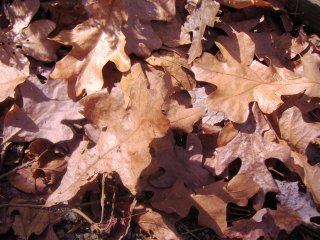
(169, 119)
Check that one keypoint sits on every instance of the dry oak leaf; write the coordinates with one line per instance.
(29, 222)
(179, 163)
(171, 33)
(45, 106)
(18, 40)
(310, 175)
(94, 42)
(124, 146)
(202, 16)
(175, 63)
(159, 226)
(265, 223)
(298, 130)
(210, 200)
(253, 149)
(141, 38)
(178, 111)
(241, 80)
(291, 197)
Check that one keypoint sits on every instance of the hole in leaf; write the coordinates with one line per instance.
(270, 201)
(180, 138)
(315, 219)
(277, 169)
(234, 168)
(235, 212)
(313, 153)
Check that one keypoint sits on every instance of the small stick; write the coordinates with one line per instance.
(102, 197)
(18, 168)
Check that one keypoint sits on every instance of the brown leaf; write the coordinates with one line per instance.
(184, 118)
(124, 146)
(239, 83)
(95, 42)
(141, 39)
(204, 15)
(159, 226)
(66, 14)
(18, 40)
(211, 201)
(29, 222)
(171, 33)
(45, 106)
(265, 223)
(310, 174)
(179, 163)
(175, 63)
(296, 130)
(250, 146)
(35, 43)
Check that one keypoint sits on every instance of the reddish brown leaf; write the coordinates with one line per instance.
(211, 201)
(265, 223)
(29, 222)
(250, 146)
(141, 39)
(179, 163)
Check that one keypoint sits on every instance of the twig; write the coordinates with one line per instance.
(24, 205)
(82, 214)
(30, 205)
(189, 231)
(102, 196)
(18, 168)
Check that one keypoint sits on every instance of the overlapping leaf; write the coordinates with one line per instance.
(20, 39)
(241, 79)
(250, 146)
(124, 146)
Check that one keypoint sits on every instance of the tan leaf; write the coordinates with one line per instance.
(141, 38)
(242, 80)
(250, 146)
(124, 146)
(296, 130)
(94, 43)
(44, 107)
(179, 163)
(227, 133)
(184, 118)
(159, 226)
(204, 15)
(175, 63)
(210, 200)
(265, 223)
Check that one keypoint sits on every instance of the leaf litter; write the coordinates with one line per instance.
(180, 119)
